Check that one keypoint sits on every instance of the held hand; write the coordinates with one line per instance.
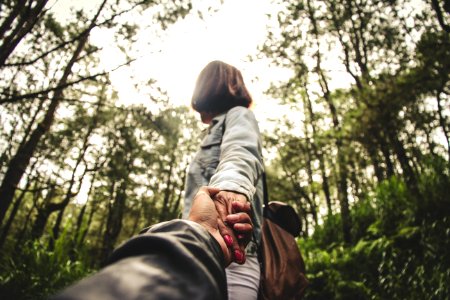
(234, 211)
(203, 211)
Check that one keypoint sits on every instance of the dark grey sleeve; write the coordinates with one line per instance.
(173, 260)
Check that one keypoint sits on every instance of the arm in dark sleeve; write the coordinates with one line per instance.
(173, 260)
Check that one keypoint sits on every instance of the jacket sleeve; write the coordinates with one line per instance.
(240, 163)
(173, 260)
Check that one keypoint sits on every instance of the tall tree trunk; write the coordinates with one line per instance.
(309, 171)
(27, 133)
(84, 231)
(318, 154)
(372, 151)
(442, 122)
(20, 237)
(345, 46)
(304, 216)
(114, 221)
(341, 160)
(357, 40)
(15, 208)
(176, 206)
(408, 172)
(43, 213)
(18, 23)
(354, 179)
(167, 192)
(63, 204)
(79, 230)
(440, 16)
(69, 195)
(20, 161)
(303, 194)
(387, 157)
(343, 194)
(9, 141)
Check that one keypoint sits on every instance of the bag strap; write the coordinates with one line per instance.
(265, 190)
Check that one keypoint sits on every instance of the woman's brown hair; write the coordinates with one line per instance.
(219, 87)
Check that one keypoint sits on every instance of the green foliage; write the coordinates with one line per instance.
(330, 233)
(401, 241)
(389, 211)
(36, 272)
(363, 216)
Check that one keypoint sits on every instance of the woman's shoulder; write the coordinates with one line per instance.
(240, 111)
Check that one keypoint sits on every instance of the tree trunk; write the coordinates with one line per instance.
(62, 206)
(114, 221)
(167, 192)
(309, 171)
(22, 232)
(84, 231)
(443, 122)
(341, 161)
(343, 194)
(12, 215)
(24, 19)
(80, 158)
(176, 206)
(79, 230)
(440, 16)
(385, 150)
(318, 154)
(43, 213)
(354, 179)
(14, 210)
(372, 151)
(303, 194)
(408, 172)
(9, 141)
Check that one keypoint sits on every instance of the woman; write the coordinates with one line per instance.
(229, 159)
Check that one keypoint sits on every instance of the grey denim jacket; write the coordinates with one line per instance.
(230, 158)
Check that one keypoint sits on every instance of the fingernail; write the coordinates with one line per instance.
(228, 240)
(238, 256)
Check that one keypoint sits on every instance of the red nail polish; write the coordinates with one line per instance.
(228, 240)
(238, 256)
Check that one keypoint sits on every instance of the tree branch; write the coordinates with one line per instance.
(14, 99)
(440, 17)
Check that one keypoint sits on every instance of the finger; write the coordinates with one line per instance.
(223, 204)
(237, 250)
(244, 240)
(241, 207)
(226, 199)
(238, 218)
(242, 227)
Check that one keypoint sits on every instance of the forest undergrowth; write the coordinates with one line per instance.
(399, 248)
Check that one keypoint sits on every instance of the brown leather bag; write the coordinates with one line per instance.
(282, 266)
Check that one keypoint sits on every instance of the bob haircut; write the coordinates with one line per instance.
(219, 88)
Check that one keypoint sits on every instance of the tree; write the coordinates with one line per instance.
(19, 162)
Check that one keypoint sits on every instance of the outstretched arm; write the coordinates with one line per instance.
(240, 166)
(178, 259)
